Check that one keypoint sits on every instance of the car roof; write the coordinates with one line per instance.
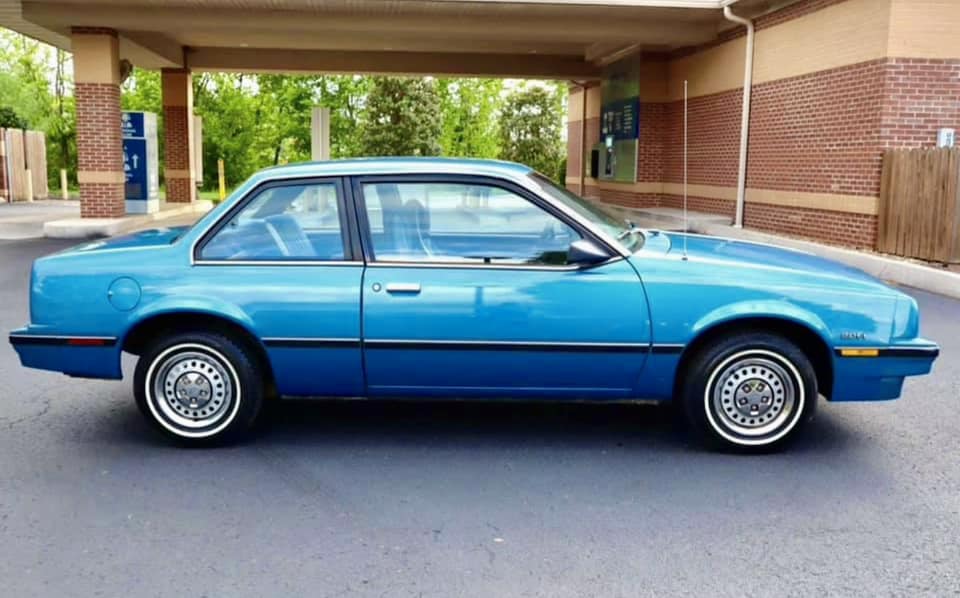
(374, 166)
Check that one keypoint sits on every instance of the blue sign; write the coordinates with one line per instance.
(131, 124)
(621, 119)
(135, 168)
(139, 131)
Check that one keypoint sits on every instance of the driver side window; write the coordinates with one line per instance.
(289, 222)
(462, 223)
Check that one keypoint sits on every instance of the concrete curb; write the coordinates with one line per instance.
(88, 228)
(897, 270)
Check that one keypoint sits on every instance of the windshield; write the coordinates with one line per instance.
(606, 218)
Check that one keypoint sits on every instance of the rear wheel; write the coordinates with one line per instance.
(199, 388)
(749, 392)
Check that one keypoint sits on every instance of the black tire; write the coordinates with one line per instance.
(749, 392)
(212, 388)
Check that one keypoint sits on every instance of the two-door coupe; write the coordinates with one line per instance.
(430, 278)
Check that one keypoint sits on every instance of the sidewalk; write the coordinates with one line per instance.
(60, 219)
(902, 271)
(24, 220)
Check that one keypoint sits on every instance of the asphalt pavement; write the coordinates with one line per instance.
(468, 499)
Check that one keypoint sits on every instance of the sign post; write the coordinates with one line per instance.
(142, 185)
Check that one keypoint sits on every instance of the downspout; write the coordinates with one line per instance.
(745, 118)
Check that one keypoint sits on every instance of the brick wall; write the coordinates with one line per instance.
(710, 205)
(838, 228)
(713, 140)
(819, 132)
(622, 198)
(651, 145)
(920, 96)
(99, 148)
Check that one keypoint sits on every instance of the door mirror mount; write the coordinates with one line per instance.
(584, 252)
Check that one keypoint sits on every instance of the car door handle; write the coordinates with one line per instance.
(403, 287)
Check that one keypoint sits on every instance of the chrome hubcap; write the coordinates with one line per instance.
(193, 389)
(753, 396)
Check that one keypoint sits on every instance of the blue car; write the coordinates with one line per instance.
(468, 279)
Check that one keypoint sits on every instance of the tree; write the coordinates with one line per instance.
(9, 119)
(530, 128)
(284, 107)
(229, 110)
(345, 96)
(25, 87)
(402, 118)
(469, 108)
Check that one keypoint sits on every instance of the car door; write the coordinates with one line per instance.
(286, 261)
(467, 293)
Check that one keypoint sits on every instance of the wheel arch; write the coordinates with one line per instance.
(168, 322)
(805, 336)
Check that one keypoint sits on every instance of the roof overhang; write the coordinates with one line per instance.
(562, 39)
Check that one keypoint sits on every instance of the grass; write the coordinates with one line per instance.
(211, 194)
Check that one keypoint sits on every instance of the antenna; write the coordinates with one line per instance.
(686, 227)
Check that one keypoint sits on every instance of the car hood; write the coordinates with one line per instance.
(760, 255)
(157, 237)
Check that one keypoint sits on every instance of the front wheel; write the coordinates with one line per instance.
(199, 388)
(749, 392)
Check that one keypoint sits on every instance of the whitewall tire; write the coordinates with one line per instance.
(748, 392)
(199, 388)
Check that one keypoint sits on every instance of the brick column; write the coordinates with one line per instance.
(178, 135)
(96, 73)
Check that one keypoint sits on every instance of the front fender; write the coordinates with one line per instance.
(765, 308)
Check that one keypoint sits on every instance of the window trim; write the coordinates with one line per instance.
(366, 236)
(348, 229)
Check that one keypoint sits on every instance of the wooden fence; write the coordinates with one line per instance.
(23, 153)
(920, 204)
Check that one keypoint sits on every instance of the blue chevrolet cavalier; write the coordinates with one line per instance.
(432, 278)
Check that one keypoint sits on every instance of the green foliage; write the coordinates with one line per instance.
(9, 119)
(401, 118)
(345, 96)
(40, 103)
(228, 106)
(283, 117)
(469, 109)
(531, 128)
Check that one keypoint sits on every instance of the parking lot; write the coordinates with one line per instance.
(458, 499)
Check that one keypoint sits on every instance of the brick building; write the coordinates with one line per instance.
(835, 82)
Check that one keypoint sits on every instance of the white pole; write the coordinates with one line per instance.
(320, 133)
(64, 192)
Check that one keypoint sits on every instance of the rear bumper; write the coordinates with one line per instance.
(75, 355)
(877, 373)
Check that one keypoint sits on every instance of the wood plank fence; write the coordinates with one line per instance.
(23, 154)
(920, 204)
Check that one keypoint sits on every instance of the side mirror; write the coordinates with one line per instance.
(586, 253)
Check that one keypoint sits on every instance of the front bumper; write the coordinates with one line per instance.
(877, 373)
(75, 355)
